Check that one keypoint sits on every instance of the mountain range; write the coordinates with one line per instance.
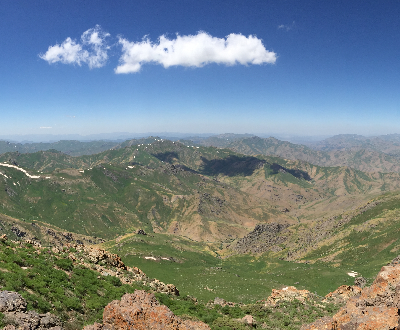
(232, 211)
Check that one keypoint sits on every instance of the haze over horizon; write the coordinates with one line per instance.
(281, 67)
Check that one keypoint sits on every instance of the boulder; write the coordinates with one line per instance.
(288, 293)
(342, 294)
(11, 302)
(142, 311)
(13, 306)
(249, 320)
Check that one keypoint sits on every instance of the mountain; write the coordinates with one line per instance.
(368, 160)
(213, 221)
(203, 193)
(387, 144)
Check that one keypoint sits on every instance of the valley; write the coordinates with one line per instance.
(233, 221)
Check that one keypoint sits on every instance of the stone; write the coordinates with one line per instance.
(142, 311)
(249, 320)
(13, 306)
(219, 301)
(288, 293)
(342, 294)
(360, 281)
(11, 302)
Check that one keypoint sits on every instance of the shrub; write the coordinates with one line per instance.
(65, 264)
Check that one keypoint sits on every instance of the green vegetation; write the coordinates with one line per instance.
(199, 272)
(51, 283)
(194, 202)
(285, 315)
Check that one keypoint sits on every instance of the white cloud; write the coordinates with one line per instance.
(92, 50)
(193, 51)
(287, 27)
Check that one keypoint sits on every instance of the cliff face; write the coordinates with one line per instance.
(375, 307)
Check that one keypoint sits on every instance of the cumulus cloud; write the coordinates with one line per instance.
(92, 50)
(193, 51)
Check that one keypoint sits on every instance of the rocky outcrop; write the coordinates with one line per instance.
(342, 294)
(373, 308)
(264, 237)
(142, 311)
(13, 306)
(288, 293)
(110, 264)
(221, 302)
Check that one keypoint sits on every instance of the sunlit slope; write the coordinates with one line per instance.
(361, 239)
(136, 190)
(203, 193)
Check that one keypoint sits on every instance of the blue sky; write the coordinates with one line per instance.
(327, 67)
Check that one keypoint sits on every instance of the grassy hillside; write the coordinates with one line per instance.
(203, 193)
(196, 204)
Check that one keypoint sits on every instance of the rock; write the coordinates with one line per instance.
(288, 293)
(360, 281)
(11, 302)
(248, 319)
(141, 232)
(142, 311)
(264, 237)
(375, 308)
(342, 294)
(95, 326)
(325, 323)
(219, 301)
(96, 255)
(13, 306)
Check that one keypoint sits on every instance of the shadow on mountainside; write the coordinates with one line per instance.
(231, 165)
(276, 168)
(167, 156)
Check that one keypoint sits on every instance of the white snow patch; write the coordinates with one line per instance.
(22, 170)
(352, 274)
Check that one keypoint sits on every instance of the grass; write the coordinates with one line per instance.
(201, 273)
(51, 283)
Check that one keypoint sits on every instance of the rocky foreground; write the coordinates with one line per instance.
(142, 311)
(374, 307)
(366, 308)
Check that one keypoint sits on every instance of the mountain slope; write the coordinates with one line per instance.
(368, 160)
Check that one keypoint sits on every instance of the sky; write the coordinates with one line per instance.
(259, 67)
